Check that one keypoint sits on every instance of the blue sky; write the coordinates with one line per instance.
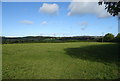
(56, 19)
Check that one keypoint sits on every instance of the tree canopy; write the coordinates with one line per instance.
(112, 7)
(109, 37)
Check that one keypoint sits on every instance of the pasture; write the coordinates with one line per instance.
(73, 60)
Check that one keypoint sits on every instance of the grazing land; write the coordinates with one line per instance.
(73, 60)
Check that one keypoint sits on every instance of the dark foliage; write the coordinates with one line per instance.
(112, 7)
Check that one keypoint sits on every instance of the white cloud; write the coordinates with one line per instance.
(49, 9)
(83, 25)
(44, 22)
(79, 8)
(26, 22)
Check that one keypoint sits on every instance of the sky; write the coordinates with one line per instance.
(0, 19)
(56, 19)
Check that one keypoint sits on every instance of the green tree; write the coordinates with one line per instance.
(108, 37)
(117, 38)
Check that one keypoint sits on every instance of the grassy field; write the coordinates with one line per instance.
(79, 60)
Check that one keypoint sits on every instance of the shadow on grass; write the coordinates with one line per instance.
(105, 53)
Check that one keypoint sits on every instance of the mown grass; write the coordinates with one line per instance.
(79, 60)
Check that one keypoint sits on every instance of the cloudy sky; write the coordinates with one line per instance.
(56, 19)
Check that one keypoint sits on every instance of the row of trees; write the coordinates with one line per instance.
(39, 39)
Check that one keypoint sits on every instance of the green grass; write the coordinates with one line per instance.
(79, 60)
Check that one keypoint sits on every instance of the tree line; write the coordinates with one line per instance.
(46, 39)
